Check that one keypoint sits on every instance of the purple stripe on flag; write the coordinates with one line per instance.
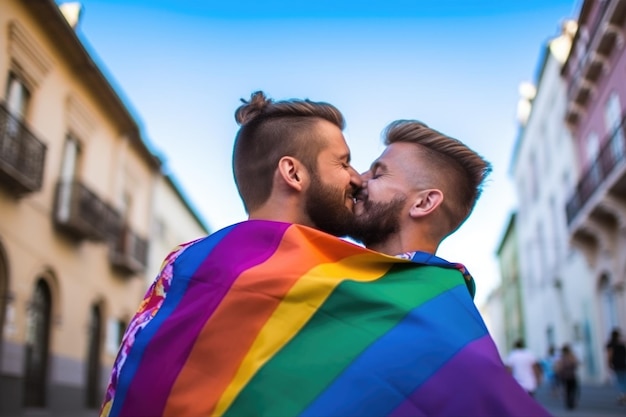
(473, 383)
(205, 290)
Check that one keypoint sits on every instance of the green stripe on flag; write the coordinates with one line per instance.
(354, 316)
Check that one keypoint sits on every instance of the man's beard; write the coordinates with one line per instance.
(326, 207)
(378, 221)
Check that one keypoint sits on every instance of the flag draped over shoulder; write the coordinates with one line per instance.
(274, 319)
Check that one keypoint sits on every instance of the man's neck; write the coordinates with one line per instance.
(280, 212)
(396, 245)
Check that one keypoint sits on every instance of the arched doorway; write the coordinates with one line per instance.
(4, 294)
(94, 350)
(37, 346)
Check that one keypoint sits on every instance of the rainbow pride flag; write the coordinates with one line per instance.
(273, 319)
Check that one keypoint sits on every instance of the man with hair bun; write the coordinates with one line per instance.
(292, 164)
(292, 167)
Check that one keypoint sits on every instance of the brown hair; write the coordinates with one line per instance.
(271, 130)
(449, 164)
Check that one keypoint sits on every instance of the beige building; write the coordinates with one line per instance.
(78, 190)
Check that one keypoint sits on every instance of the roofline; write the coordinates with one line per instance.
(52, 21)
(539, 70)
(179, 192)
(585, 8)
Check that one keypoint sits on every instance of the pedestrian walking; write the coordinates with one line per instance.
(524, 366)
(566, 369)
(616, 357)
(548, 364)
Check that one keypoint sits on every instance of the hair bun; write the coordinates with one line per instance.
(253, 108)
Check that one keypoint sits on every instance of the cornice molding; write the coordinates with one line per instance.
(28, 59)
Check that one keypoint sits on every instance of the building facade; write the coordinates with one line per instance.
(595, 75)
(511, 299)
(77, 192)
(174, 222)
(492, 312)
(559, 307)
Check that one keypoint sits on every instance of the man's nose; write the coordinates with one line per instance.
(355, 178)
(366, 176)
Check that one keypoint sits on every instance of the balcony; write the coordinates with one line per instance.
(81, 214)
(604, 34)
(605, 176)
(128, 252)
(22, 155)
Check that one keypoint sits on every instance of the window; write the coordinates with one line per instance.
(577, 332)
(115, 334)
(532, 266)
(592, 151)
(613, 120)
(542, 255)
(557, 229)
(121, 329)
(550, 337)
(127, 205)
(17, 97)
(160, 230)
(71, 154)
(544, 137)
(534, 177)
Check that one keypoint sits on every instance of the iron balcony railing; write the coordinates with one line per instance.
(82, 214)
(22, 155)
(612, 153)
(581, 64)
(129, 252)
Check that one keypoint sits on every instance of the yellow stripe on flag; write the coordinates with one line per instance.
(293, 313)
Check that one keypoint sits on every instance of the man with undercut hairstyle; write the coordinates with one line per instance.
(292, 164)
(416, 193)
(419, 191)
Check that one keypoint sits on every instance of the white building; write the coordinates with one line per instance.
(559, 306)
(174, 222)
(493, 315)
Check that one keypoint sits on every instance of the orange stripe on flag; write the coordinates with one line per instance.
(255, 295)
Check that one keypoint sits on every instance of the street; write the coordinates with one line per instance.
(595, 401)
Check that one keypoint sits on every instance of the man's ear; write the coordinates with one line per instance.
(292, 172)
(426, 202)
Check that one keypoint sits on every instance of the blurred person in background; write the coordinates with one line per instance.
(549, 375)
(524, 366)
(566, 368)
(616, 359)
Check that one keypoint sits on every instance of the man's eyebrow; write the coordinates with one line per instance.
(345, 156)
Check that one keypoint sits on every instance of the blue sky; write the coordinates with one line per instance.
(183, 65)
